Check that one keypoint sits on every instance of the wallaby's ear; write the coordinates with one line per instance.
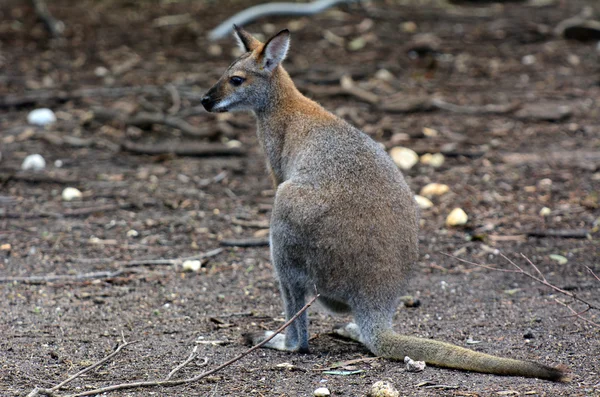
(275, 50)
(245, 40)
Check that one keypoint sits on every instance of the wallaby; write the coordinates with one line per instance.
(344, 220)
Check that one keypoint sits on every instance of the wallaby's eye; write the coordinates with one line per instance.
(236, 80)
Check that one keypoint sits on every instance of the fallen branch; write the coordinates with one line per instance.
(576, 233)
(70, 213)
(540, 278)
(50, 96)
(170, 262)
(167, 383)
(246, 242)
(54, 26)
(64, 277)
(50, 392)
(485, 109)
(264, 10)
(108, 274)
(184, 149)
(145, 119)
(255, 224)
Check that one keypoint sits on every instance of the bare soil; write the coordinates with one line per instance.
(502, 169)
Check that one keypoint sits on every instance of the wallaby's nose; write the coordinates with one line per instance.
(207, 102)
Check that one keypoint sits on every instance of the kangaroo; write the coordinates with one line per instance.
(344, 220)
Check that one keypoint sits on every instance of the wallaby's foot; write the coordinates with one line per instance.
(350, 331)
(278, 342)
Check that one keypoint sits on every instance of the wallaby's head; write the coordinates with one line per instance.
(248, 82)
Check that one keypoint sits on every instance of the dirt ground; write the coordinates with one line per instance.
(503, 164)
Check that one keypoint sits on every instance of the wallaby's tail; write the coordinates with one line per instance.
(395, 346)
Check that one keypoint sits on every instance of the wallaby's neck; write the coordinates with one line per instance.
(282, 123)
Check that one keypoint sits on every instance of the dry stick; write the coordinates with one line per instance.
(50, 392)
(578, 314)
(184, 149)
(176, 261)
(541, 279)
(62, 277)
(192, 356)
(170, 383)
(593, 274)
(245, 242)
(54, 26)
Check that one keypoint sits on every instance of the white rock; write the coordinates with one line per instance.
(58, 163)
(33, 162)
(132, 233)
(430, 132)
(404, 158)
(423, 202)
(435, 160)
(434, 189)
(383, 389)
(414, 366)
(457, 217)
(384, 74)
(321, 392)
(545, 211)
(71, 193)
(191, 265)
(43, 116)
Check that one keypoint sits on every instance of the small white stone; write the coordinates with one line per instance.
(383, 389)
(434, 189)
(545, 211)
(101, 71)
(321, 392)
(71, 193)
(528, 60)
(457, 217)
(384, 74)
(43, 116)
(414, 366)
(423, 202)
(430, 132)
(191, 265)
(404, 158)
(33, 162)
(435, 160)
(234, 143)
(58, 163)
(132, 233)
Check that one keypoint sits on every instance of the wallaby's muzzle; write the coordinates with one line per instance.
(208, 102)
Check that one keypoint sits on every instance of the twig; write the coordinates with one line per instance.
(245, 242)
(170, 262)
(63, 277)
(540, 279)
(170, 383)
(185, 149)
(485, 109)
(576, 233)
(264, 10)
(255, 224)
(593, 274)
(50, 392)
(578, 314)
(54, 26)
(143, 119)
(175, 99)
(192, 356)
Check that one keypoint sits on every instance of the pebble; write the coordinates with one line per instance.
(321, 392)
(404, 158)
(561, 260)
(414, 366)
(71, 193)
(545, 211)
(132, 233)
(33, 162)
(41, 117)
(383, 389)
(435, 160)
(457, 217)
(434, 189)
(423, 202)
(384, 74)
(191, 265)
